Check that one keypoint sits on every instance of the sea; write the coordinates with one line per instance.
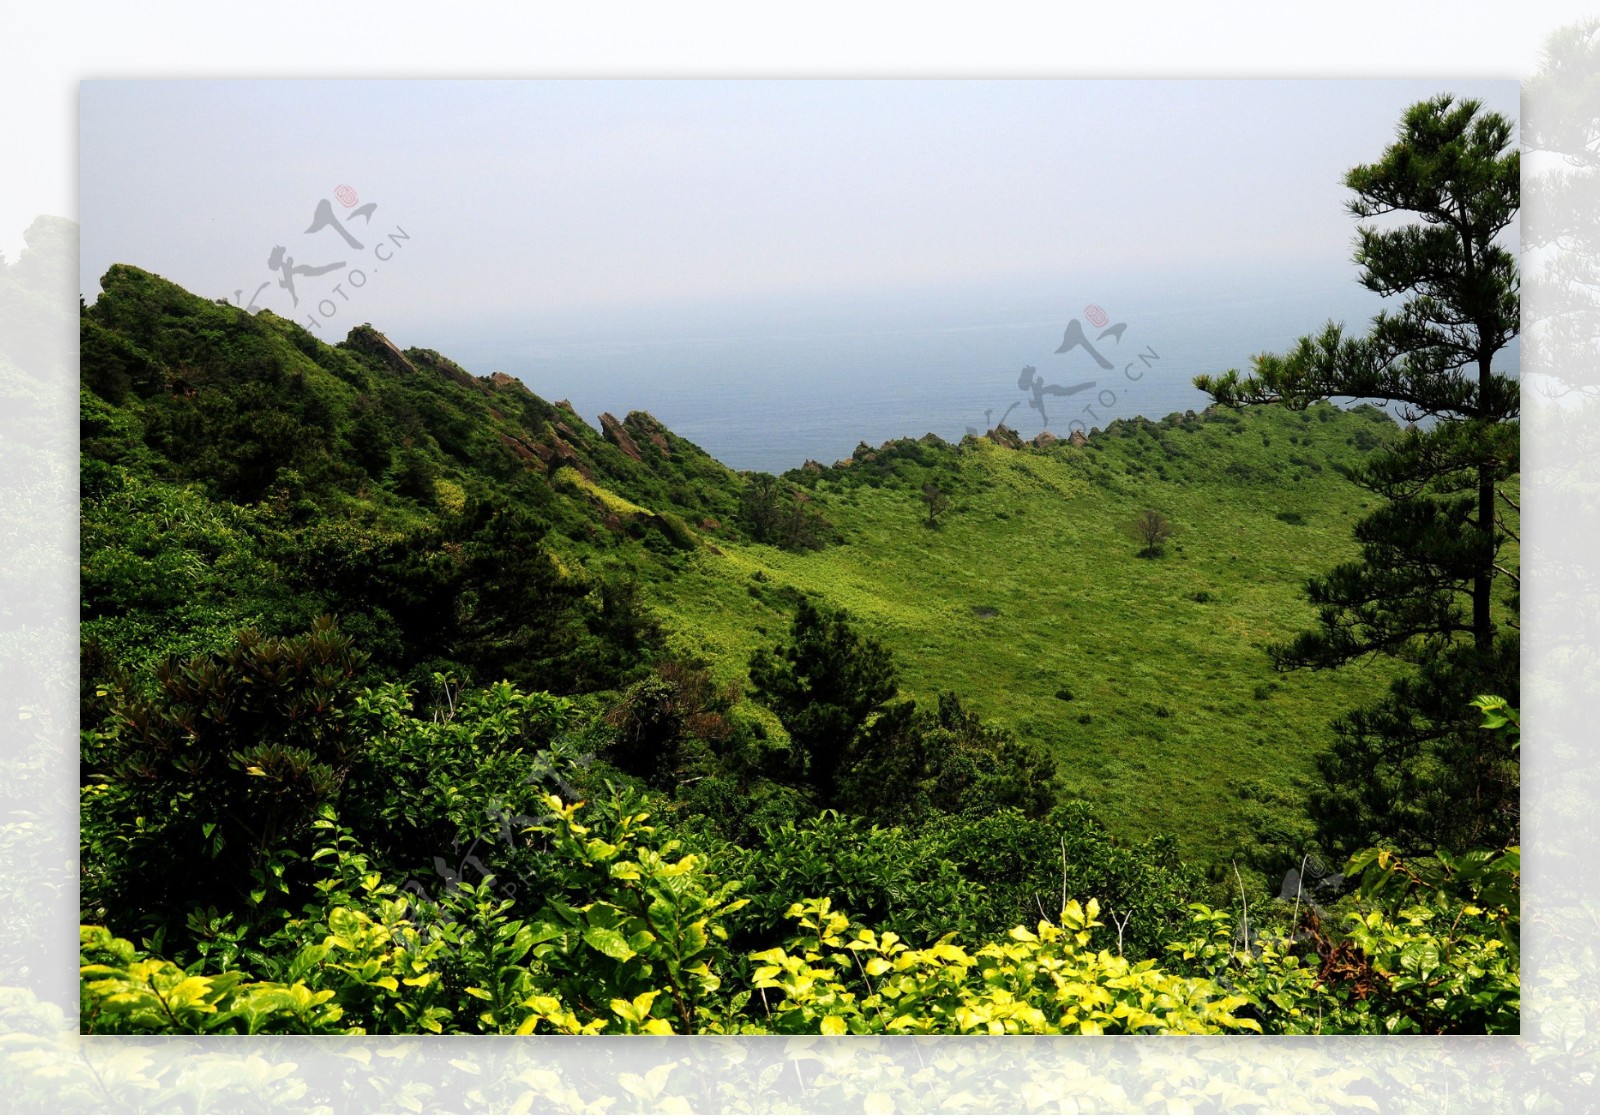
(769, 382)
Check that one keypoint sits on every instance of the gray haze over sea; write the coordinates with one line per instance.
(778, 270)
(771, 383)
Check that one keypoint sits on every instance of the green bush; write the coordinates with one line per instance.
(834, 980)
(910, 765)
(898, 880)
(203, 779)
(1430, 948)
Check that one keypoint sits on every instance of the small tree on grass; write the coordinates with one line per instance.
(1152, 530)
(938, 503)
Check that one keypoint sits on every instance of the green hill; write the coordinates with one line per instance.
(238, 471)
(1146, 677)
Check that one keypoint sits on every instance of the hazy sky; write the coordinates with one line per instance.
(574, 200)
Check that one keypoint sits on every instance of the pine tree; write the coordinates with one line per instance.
(825, 684)
(1431, 588)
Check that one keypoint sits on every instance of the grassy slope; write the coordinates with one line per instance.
(1174, 706)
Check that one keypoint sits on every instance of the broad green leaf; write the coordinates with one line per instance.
(609, 942)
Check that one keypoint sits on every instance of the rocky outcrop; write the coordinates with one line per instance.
(563, 454)
(1003, 435)
(518, 447)
(617, 436)
(646, 428)
(529, 451)
(365, 339)
(1044, 438)
(504, 380)
(1076, 438)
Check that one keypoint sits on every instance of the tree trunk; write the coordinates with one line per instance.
(1483, 582)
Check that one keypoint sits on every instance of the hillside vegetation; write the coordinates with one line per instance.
(525, 725)
(1147, 679)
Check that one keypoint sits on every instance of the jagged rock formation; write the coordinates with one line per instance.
(645, 427)
(507, 382)
(365, 339)
(1003, 435)
(617, 436)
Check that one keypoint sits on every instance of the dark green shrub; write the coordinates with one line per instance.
(212, 766)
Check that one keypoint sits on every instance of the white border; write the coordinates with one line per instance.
(45, 1067)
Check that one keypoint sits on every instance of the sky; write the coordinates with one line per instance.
(579, 206)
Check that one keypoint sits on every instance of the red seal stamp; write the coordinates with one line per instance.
(347, 196)
(1096, 316)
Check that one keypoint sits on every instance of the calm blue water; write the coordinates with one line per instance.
(771, 383)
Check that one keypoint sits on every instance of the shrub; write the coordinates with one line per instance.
(837, 980)
(772, 511)
(1432, 948)
(211, 770)
(899, 880)
(910, 764)
(657, 715)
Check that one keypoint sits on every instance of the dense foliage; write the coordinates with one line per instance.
(312, 903)
(619, 928)
(826, 685)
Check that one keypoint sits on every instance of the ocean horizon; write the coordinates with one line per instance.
(770, 384)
